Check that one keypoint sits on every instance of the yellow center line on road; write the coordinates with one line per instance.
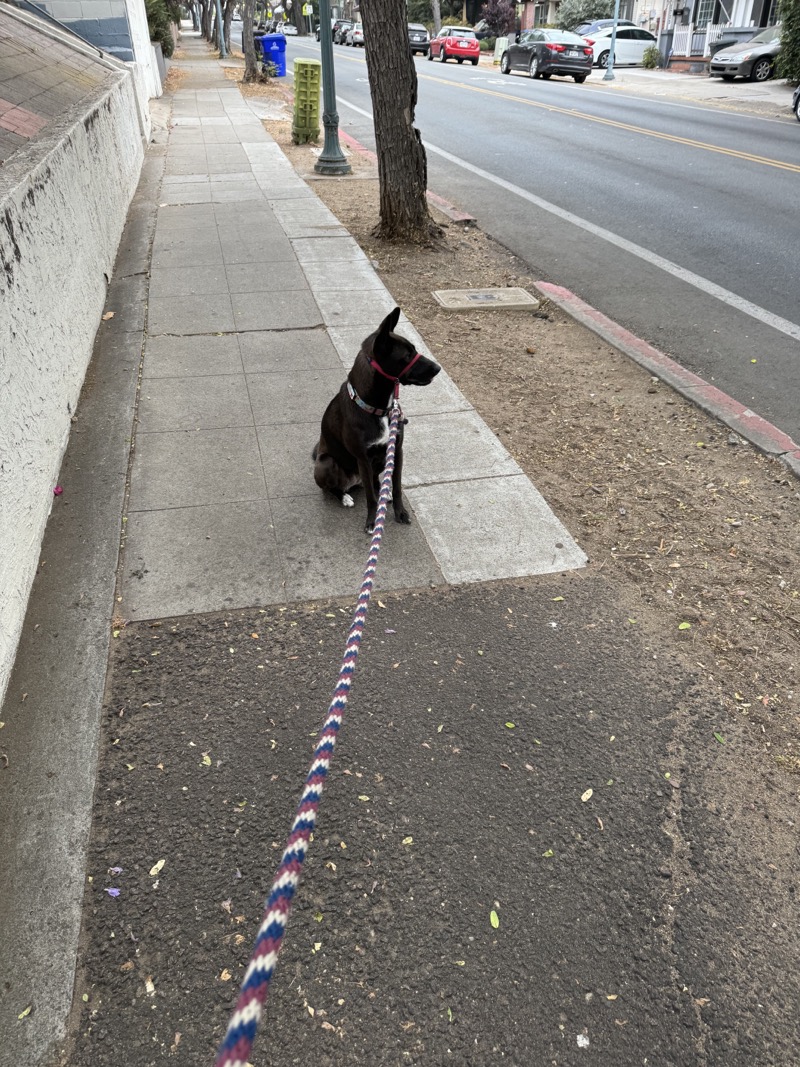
(749, 157)
(573, 113)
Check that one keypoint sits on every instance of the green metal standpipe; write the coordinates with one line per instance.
(331, 159)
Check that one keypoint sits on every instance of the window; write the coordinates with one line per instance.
(703, 14)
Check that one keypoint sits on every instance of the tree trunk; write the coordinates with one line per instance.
(250, 58)
(436, 11)
(195, 19)
(227, 16)
(402, 164)
(205, 6)
(298, 18)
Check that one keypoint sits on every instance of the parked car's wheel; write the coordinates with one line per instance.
(505, 65)
(546, 77)
(762, 70)
(474, 62)
(579, 78)
(459, 60)
(797, 106)
(533, 69)
(430, 55)
(602, 60)
(442, 56)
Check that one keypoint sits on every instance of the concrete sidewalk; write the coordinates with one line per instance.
(259, 300)
(240, 302)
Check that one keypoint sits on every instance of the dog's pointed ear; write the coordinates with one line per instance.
(382, 342)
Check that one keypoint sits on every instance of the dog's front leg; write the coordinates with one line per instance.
(369, 480)
(400, 513)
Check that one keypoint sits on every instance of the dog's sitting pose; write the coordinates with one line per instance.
(355, 427)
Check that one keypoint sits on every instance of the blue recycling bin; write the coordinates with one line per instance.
(273, 45)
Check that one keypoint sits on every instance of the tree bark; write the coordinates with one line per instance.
(250, 58)
(402, 163)
(436, 11)
(227, 16)
(298, 18)
(205, 7)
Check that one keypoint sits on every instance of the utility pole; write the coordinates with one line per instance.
(609, 74)
(331, 159)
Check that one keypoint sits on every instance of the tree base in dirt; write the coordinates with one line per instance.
(402, 163)
(249, 48)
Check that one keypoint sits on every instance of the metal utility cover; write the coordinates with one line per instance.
(472, 299)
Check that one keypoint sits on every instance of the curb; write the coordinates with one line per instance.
(746, 423)
(750, 426)
(442, 205)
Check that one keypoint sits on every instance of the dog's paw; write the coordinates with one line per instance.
(403, 517)
(347, 501)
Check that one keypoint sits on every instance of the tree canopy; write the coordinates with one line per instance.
(572, 13)
(789, 56)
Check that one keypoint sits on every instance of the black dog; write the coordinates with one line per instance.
(355, 427)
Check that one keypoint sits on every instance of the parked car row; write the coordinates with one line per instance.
(541, 53)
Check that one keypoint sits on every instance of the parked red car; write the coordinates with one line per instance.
(455, 42)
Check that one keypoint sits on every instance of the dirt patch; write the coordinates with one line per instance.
(175, 77)
(700, 525)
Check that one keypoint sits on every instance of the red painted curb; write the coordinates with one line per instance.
(443, 205)
(357, 146)
(746, 423)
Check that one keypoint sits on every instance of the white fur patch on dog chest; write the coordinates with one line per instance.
(383, 433)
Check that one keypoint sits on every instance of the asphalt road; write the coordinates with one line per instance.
(543, 760)
(673, 219)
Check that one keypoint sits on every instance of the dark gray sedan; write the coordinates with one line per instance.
(754, 59)
(541, 53)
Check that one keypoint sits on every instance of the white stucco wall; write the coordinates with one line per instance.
(142, 48)
(63, 204)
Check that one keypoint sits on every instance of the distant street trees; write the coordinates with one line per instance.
(789, 55)
(499, 16)
(572, 13)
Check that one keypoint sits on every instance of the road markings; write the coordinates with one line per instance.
(739, 303)
(689, 142)
(576, 114)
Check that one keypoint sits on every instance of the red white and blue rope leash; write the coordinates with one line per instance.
(238, 1041)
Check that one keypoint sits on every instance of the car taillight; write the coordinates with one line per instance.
(588, 41)
(587, 51)
(557, 47)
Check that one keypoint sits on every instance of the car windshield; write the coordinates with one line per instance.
(766, 36)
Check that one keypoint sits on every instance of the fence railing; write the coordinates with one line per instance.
(695, 41)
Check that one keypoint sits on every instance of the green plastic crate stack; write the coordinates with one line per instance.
(305, 122)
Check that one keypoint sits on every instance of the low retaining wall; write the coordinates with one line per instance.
(63, 203)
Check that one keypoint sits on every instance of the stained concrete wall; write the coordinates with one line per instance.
(64, 198)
